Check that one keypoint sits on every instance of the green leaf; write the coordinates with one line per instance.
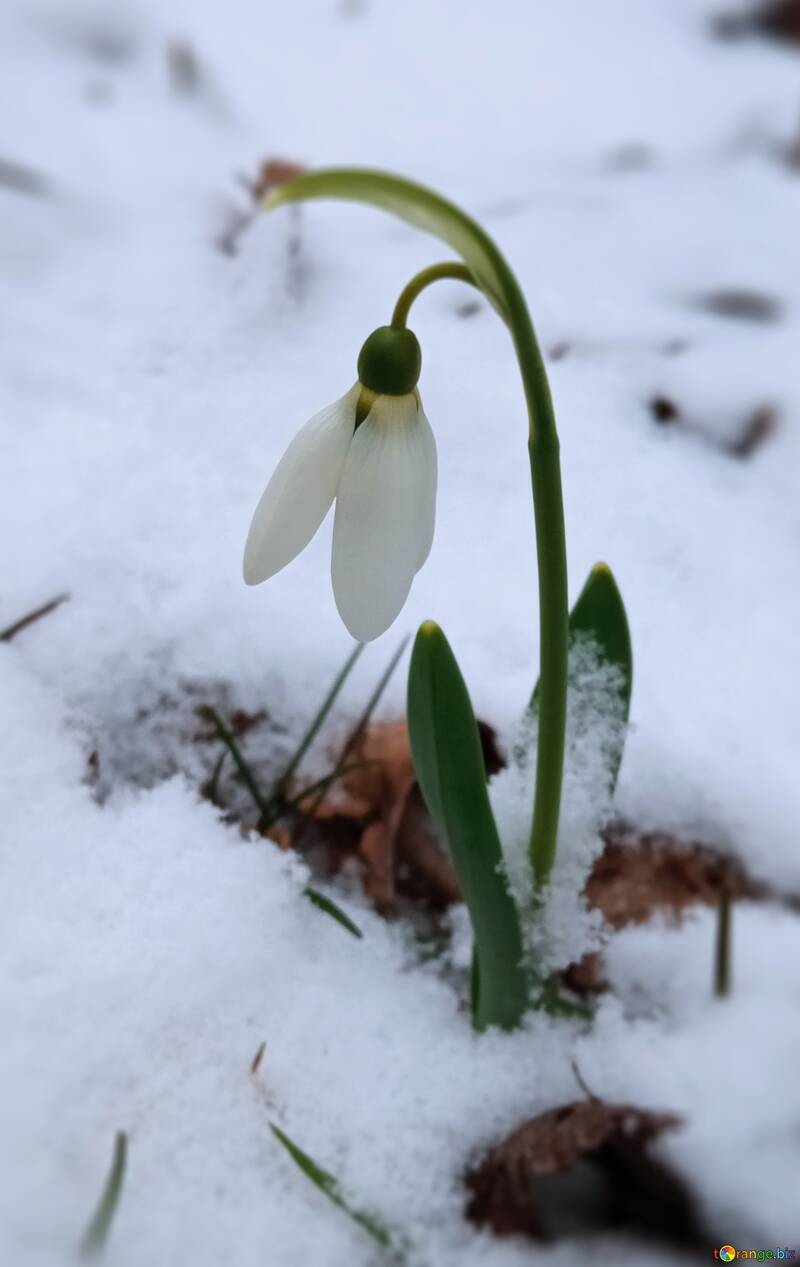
(600, 612)
(373, 701)
(279, 788)
(328, 1184)
(242, 765)
(600, 615)
(274, 804)
(327, 905)
(449, 764)
(319, 789)
(411, 202)
(94, 1238)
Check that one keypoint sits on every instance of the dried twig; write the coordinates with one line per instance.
(12, 630)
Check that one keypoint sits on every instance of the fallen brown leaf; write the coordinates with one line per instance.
(637, 875)
(583, 1167)
(779, 18)
(585, 976)
(424, 872)
(375, 794)
(279, 835)
(399, 848)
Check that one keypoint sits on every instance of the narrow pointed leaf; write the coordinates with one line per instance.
(340, 769)
(414, 203)
(274, 804)
(449, 764)
(327, 1183)
(599, 614)
(94, 1238)
(308, 738)
(242, 765)
(373, 701)
(327, 905)
(319, 787)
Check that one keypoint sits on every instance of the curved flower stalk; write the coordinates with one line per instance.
(490, 272)
(448, 768)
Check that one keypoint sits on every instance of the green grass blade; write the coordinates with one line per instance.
(373, 701)
(327, 905)
(211, 789)
(449, 764)
(340, 768)
(94, 1238)
(242, 765)
(281, 783)
(328, 1184)
(273, 805)
(320, 786)
(411, 202)
(600, 614)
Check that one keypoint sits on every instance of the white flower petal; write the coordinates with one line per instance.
(384, 511)
(299, 495)
(427, 494)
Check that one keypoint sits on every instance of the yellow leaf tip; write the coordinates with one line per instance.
(428, 629)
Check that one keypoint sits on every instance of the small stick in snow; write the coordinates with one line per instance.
(259, 1056)
(590, 1095)
(272, 173)
(12, 630)
(722, 953)
(760, 426)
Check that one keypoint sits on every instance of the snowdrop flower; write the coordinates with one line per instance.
(373, 452)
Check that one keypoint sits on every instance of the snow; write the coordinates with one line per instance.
(559, 929)
(150, 383)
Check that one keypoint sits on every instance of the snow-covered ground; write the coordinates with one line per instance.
(629, 164)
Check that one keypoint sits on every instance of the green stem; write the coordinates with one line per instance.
(449, 271)
(543, 448)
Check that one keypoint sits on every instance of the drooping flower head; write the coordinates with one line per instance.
(373, 453)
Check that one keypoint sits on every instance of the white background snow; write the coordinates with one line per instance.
(150, 382)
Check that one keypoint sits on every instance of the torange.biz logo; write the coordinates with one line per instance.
(728, 1254)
